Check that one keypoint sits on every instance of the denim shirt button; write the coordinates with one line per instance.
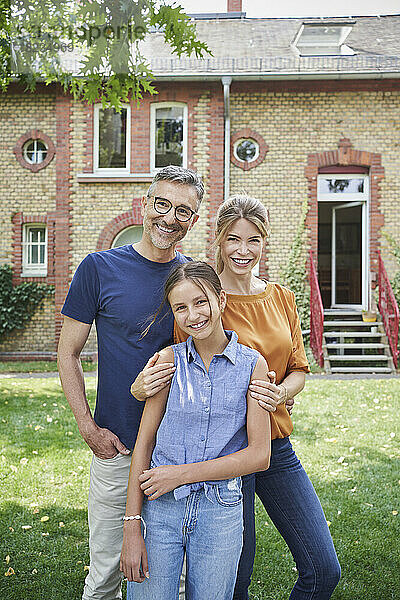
(206, 409)
(203, 439)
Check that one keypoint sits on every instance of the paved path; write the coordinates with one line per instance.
(39, 375)
(354, 376)
(310, 376)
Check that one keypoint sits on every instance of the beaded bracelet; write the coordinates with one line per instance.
(136, 518)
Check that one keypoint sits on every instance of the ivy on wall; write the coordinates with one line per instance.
(394, 247)
(294, 274)
(19, 303)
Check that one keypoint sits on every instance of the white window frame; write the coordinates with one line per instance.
(29, 269)
(110, 170)
(341, 47)
(243, 139)
(153, 109)
(345, 197)
(25, 151)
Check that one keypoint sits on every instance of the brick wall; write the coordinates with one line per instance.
(95, 229)
(295, 120)
(26, 196)
(299, 119)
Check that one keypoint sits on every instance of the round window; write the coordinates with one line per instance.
(35, 152)
(246, 150)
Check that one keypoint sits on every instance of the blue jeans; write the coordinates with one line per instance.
(208, 525)
(290, 500)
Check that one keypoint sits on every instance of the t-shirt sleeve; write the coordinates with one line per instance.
(82, 300)
(298, 359)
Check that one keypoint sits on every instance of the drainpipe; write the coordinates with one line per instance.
(226, 82)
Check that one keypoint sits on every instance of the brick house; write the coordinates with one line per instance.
(292, 111)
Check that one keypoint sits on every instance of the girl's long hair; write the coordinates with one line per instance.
(200, 273)
(237, 207)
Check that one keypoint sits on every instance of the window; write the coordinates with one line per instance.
(35, 152)
(168, 134)
(34, 251)
(111, 143)
(246, 150)
(343, 188)
(316, 39)
(129, 235)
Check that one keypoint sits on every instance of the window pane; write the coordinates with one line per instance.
(34, 255)
(130, 235)
(35, 151)
(34, 235)
(341, 186)
(112, 138)
(42, 250)
(169, 136)
(323, 34)
(246, 150)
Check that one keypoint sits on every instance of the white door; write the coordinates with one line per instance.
(349, 256)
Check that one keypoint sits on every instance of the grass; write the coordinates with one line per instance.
(346, 434)
(38, 366)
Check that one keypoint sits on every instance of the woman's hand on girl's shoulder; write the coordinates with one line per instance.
(267, 393)
(156, 375)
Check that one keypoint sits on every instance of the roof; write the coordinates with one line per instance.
(258, 48)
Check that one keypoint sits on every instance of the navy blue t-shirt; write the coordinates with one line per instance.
(120, 289)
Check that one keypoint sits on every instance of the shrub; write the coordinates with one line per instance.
(18, 303)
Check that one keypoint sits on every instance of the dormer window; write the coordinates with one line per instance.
(323, 39)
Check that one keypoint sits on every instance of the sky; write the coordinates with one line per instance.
(294, 8)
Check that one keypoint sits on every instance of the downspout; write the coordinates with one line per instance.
(226, 82)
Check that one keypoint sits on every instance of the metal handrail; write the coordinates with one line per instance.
(388, 309)
(316, 315)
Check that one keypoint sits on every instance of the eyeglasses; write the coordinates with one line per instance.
(163, 206)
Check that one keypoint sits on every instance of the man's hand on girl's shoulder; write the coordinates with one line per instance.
(154, 377)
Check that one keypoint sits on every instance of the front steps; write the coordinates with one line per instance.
(351, 345)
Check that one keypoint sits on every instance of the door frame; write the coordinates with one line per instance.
(364, 256)
(353, 199)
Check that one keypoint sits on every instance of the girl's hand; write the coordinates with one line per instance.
(160, 480)
(267, 393)
(152, 379)
(133, 562)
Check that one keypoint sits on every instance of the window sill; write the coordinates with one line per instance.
(114, 177)
(34, 274)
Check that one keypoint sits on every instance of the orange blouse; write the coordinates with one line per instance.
(269, 323)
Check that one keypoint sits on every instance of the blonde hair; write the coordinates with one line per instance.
(237, 207)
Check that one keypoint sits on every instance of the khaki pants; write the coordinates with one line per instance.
(106, 507)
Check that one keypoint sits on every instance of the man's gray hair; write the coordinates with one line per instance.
(179, 175)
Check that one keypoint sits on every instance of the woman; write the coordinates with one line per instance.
(265, 318)
(192, 433)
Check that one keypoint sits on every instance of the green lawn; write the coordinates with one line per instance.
(346, 434)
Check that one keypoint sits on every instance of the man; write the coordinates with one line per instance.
(119, 289)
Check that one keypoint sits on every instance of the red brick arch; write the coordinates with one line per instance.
(347, 156)
(118, 223)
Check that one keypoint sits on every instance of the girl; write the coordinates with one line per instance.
(264, 316)
(197, 440)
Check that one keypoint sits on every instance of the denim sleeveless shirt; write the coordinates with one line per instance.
(205, 415)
